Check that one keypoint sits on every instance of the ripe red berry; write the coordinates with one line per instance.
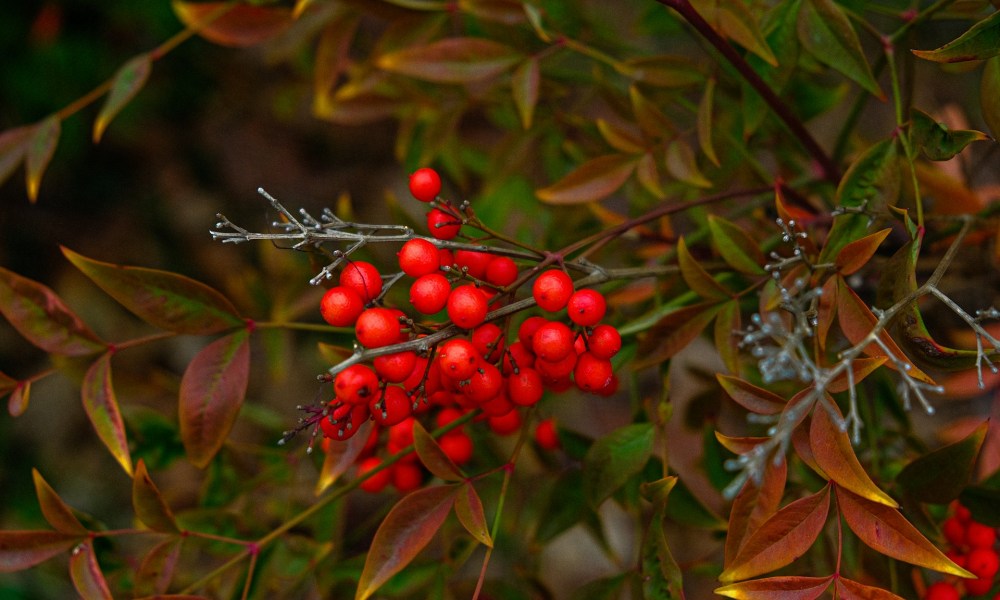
(978, 535)
(498, 406)
(962, 513)
(341, 306)
(467, 307)
(551, 371)
(517, 354)
(441, 225)
(377, 327)
(552, 341)
(524, 388)
(357, 384)
(505, 424)
(344, 420)
(447, 415)
(552, 290)
(400, 435)
(592, 374)
(458, 359)
(954, 532)
(392, 407)
(545, 434)
(474, 262)
(406, 477)
(978, 586)
(501, 271)
(419, 257)
(396, 367)
(363, 278)
(942, 590)
(445, 258)
(488, 340)
(526, 332)
(429, 293)
(605, 341)
(425, 184)
(377, 482)
(457, 446)
(983, 562)
(586, 307)
(484, 384)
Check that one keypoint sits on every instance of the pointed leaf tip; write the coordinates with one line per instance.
(101, 405)
(126, 83)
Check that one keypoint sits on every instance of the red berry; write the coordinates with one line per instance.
(392, 407)
(344, 420)
(954, 531)
(524, 388)
(429, 293)
(592, 374)
(604, 342)
(551, 371)
(964, 514)
(545, 434)
(341, 306)
(942, 590)
(505, 424)
(501, 271)
(377, 482)
(447, 415)
(517, 354)
(396, 367)
(357, 384)
(425, 184)
(978, 535)
(406, 477)
(458, 359)
(419, 257)
(978, 586)
(474, 262)
(445, 258)
(956, 557)
(553, 341)
(400, 435)
(377, 327)
(498, 406)
(488, 340)
(467, 307)
(983, 562)
(526, 332)
(442, 226)
(586, 307)
(610, 388)
(484, 384)
(552, 290)
(457, 446)
(363, 278)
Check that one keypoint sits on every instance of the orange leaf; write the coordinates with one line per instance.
(593, 180)
(101, 405)
(885, 530)
(739, 445)
(404, 532)
(835, 455)
(452, 60)
(753, 506)
(20, 550)
(800, 441)
(238, 25)
(827, 310)
(86, 573)
(777, 588)
(753, 398)
(696, 277)
(852, 590)
(782, 538)
(952, 196)
(727, 323)
(148, 502)
(861, 367)
(856, 254)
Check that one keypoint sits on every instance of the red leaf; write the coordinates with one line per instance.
(340, 457)
(231, 25)
(452, 60)
(593, 180)
(524, 83)
(101, 406)
(469, 509)
(404, 532)
(739, 445)
(86, 573)
(433, 457)
(856, 254)
(124, 86)
(56, 512)
(835, 455)
(149, 505)
(753, 506)
(157, 568)
(38, 314)
(861, 367)
(41, 147)
(212, 393)
(18, 401)
(755, 399)
(162, 299)
(782, 538)
(885, 530)
(20, 550)
(777, 588)
(13, 146)
(852, 590)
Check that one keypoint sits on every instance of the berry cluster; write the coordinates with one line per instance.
(481, 367)
(973, 547)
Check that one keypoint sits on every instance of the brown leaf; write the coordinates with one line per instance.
(827, 310)
(56, 512)
(754, 505)
(777, 588)
(835, 455)
(20, 550)
(696, 277)
(755, 399)
(469, 509)
(452, 60)
(234, 25)
(157, 568)
(148, 502)
(593, 180)
(13, 147)
(101, 405)
(861, 368)
(852, 590)
(86, 573)
(674, 332)
(432, 456)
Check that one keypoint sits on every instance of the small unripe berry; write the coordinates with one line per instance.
(467, 307)
(425, 184)
(552, 290)
(341, 306)
(363, 278)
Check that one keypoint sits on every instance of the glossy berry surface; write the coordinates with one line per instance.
(341, 306)
(552, 290)
(377, 327)
(363, 278)
(429, 294)
(419, 257)
(441, 225)
(425, 184)
(586, 307)
(467, 307)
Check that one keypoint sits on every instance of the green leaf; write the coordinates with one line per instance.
(469, 509)
(593, 180)
(86, 573)
(56, 512)
(212, 392)
(452, 60)
(608, 588)
(989, 97)
(939, 476)
(983, 503)
(149, 505)
(685, 507)
(524, 83)
(827, 34)
(980, 42)
(682, 165)
(124, 86)
(696, 277)
(614, 459)
(935, 140)
(433, 457)
(705, 121)
(404, 532)
(727, 340)
(735, 20)
(41, 316)
(21, 550)
(162, 299)
(789, 587)
(13, 147)
(41, 147)
(780, 25)
(661, 575)
(157, 568)
(101, 405)
(735, 246)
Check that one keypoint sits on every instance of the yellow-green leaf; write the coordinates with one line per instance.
(452, 60)
(696, 277)
(126, 84)
(789, 587)
(735, 20)
(41, 147)
(681, 163)
(469, 509)
(735, 246)
(705, 122)
(524, 83)
(86, 573)
(593, 180)
(827, 34)
(980, 42)
(101, 405)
